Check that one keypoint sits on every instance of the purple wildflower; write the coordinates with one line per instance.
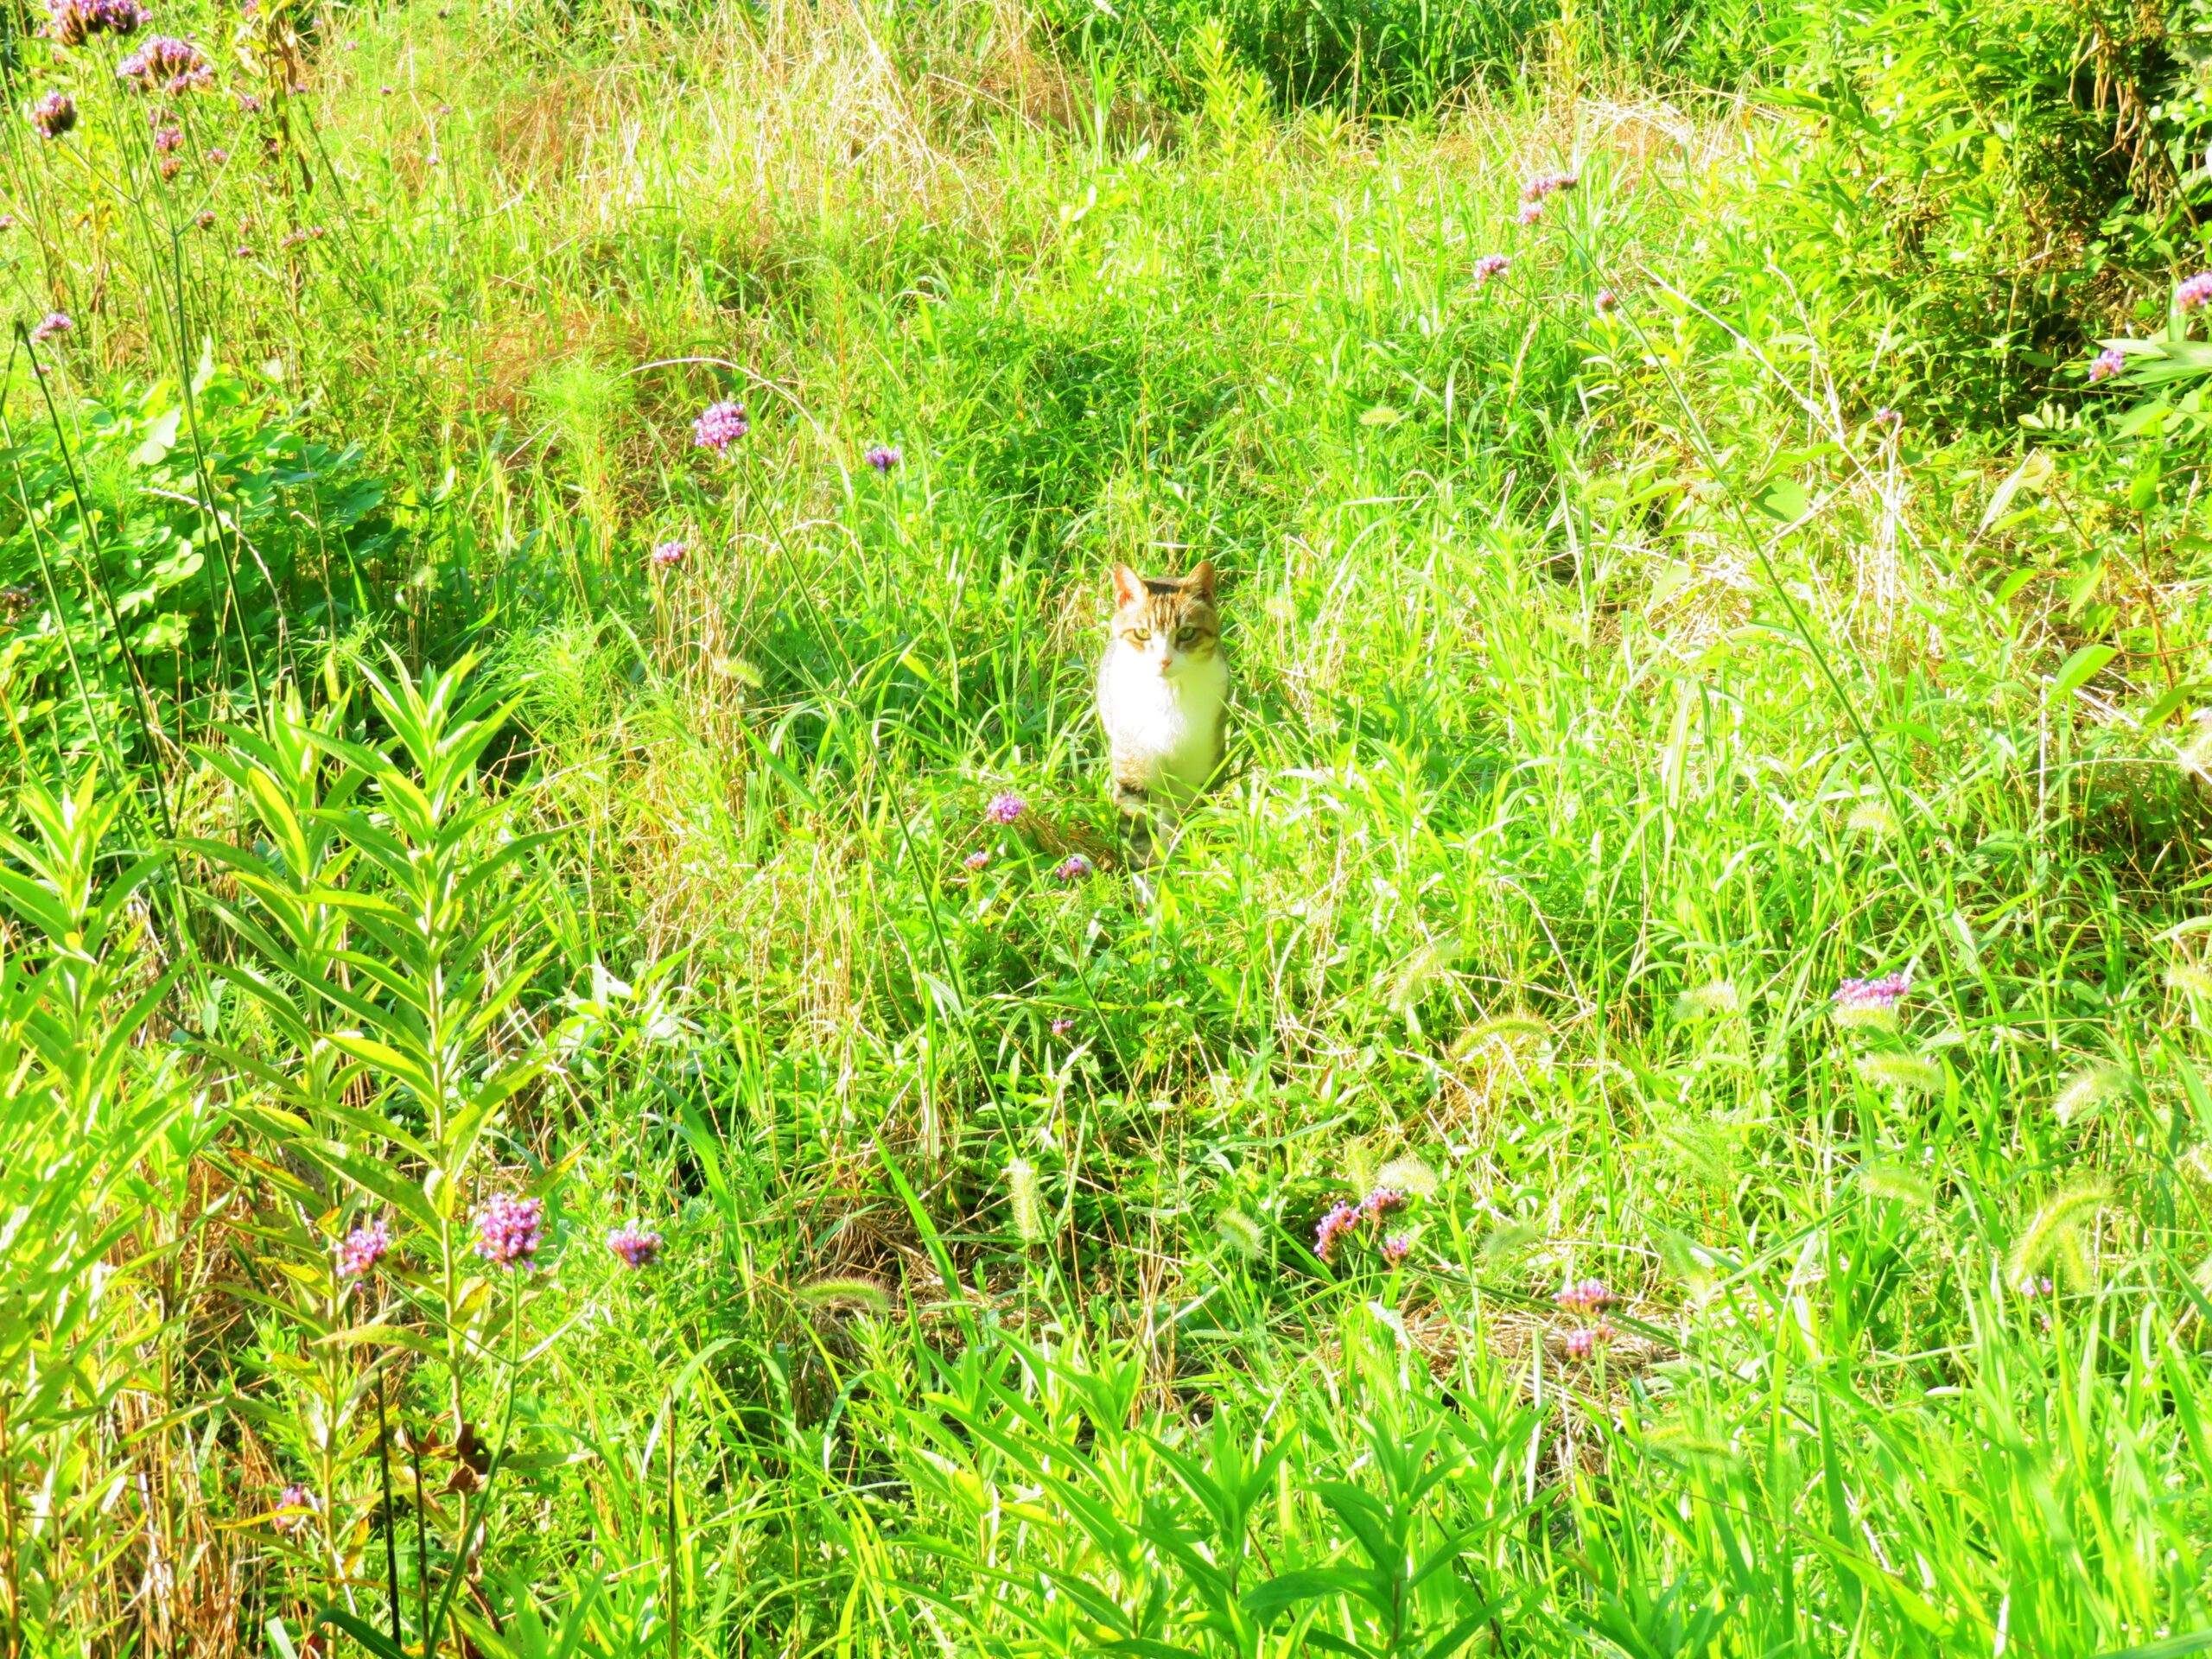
(54, 323)
(72, 23)
(248, 104)
(2110, 361)
(1888, 417)
(719, 426)
(1607, 300)
(2035, 1284)
(1339, 1220)
(976, 860)
(2194, 292)
(1490, 265)
(169, 166)
(1061, 1027)
(205, 218)
(1530, 213)
(1586, 1296)
(1580, 1344)
(294, 1506)
(362, 1249)
(883, 458)
(1073, 867)
(1005, 808)
(636, 1246)
(1871, 993)
(668, 555)
(54, 115)
(1397, 1247)
(509, 1230)
(242, 252)
(166, 64)
(1383, 1201)
(167, 139)
(217, 157)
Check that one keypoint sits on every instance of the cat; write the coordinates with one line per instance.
(1163, 695)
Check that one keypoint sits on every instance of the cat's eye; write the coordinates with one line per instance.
(1185, 636)
(1135, 636)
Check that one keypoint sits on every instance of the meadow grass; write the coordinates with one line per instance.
(1615, 678)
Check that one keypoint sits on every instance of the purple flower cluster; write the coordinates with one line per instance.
(168, 138)
(72, 23)
(635, 1245)
(1073, 867)
(1490, 265)
(54, 323)
(1586, 1296)
(2110, 361)
(719, 426)
(1005, 807)
(1061, 1027)
(294, 1506)
(1549, 184)
(1397, 1247)
(168, 65)
(668, 555)
(1345, 1217)
(976, 860)
(1581, 1344)
(54, 115)
(1883, 993)
(883, 458)
(509, 1229)
(1888, 417)
(1607, 300)
(362, 1249)
(2194, 292)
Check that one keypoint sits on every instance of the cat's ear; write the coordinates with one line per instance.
(1128, 587)
(1201, 581)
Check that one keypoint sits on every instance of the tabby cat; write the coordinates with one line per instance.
(1163, 693)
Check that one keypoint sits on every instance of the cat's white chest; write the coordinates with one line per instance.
(1165, 728)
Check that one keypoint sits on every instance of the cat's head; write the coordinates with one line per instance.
(1166, 621)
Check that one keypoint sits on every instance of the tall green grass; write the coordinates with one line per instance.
(1612, 681)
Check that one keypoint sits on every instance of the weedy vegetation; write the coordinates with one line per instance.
(584, 1079)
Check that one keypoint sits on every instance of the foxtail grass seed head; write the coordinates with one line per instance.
(2109, 362)
(2195, 757)
(719, 426)
(1701, 1001)
(1028, 1201)
(638, 1247)
(54, 115)
(2089, 1088)
(1073, 868)
(1408, 1175)
(1340, 1220)
(1490, 265)
(2194, 291)
(1240, 1232)
(1909, 1072)
(2055, 1233)
(54, 323)
(1872, 818)
(976, 860)
(1584, 1296)
(294, 1504)
(509, 1230)
(1397, 1247)
(668, 555)
(1005, 807)
(1897, 1184)
(882, 457)
(1870, 1002)
(362, 1249)
(2190, 980)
